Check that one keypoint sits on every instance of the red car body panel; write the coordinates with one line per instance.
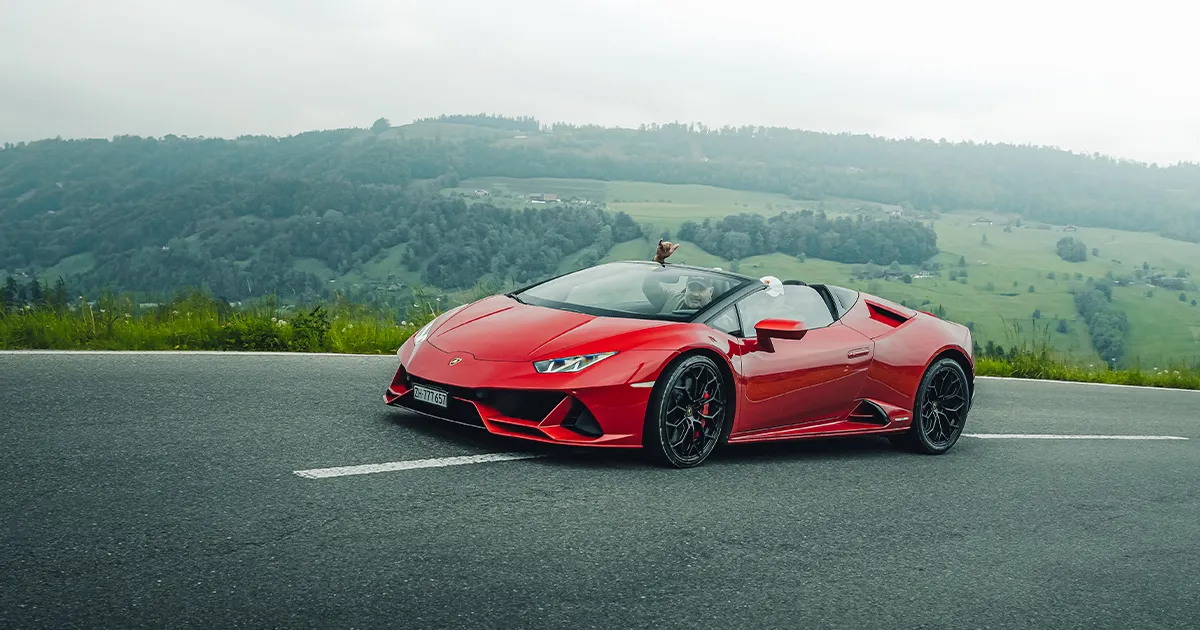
(859, 375)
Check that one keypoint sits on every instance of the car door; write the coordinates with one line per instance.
(798, 381)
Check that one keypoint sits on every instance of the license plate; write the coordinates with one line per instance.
(431, 396)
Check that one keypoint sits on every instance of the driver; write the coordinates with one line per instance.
(696, 294)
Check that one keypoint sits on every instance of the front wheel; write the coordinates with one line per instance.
(687, 413)
(943, 400)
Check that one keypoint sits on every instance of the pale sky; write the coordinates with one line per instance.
(1120, 79)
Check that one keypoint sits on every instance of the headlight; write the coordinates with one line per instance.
(570, 364)
(425, 330)
(421, 335)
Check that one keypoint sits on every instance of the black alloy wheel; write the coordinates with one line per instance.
(687, 414)
(943, 401)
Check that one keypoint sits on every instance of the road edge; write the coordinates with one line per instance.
(260, 353)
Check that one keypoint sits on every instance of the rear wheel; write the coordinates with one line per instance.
(687, 414)
(943, 400)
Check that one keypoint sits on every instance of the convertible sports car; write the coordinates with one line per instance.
(678, 359)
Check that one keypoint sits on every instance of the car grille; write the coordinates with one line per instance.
(531, 405)
(456, 410)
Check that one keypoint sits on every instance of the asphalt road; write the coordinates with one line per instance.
(160, 491)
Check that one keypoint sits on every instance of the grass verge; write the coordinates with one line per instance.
(195, 321)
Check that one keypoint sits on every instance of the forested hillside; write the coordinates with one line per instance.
(254, 215)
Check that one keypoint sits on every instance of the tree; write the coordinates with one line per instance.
(1062, 326)
(984, 240)
(1182, 297)
(1095, 252)
(12, 294)
(1071, 249)
(1050, 276)
(906, 279)
(962, 261)
(58, 298)
(1193, 302)
(37, 296)
(1031, 288)
(1037, 313)
(381, 126)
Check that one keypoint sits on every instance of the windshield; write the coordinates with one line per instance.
(634, 290)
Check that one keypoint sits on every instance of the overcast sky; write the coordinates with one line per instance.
(1072, 74)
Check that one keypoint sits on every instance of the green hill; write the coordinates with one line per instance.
(377, 213)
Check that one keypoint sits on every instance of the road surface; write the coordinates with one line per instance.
(163, 491)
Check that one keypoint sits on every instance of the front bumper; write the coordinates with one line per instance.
(501, 399)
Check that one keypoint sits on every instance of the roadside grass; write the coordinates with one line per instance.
(195, 321)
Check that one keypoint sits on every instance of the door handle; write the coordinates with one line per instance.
(858, 352)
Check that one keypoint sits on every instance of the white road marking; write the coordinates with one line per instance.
(1047, 380)
(1054, 436)
(437, 462)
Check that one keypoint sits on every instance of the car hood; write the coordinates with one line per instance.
(501, 329)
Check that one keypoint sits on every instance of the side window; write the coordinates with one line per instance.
(757, 307)
(808, 305)
(727, 322)
(797, 303)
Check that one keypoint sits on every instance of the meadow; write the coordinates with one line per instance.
(1000, 266)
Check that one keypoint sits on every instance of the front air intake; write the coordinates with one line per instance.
(529, 405)
(581, 421)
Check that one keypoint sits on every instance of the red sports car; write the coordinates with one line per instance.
(677, 359)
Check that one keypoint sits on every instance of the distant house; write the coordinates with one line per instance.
(1069, 228)
(543, 197)
(482, 193)
(981, 221)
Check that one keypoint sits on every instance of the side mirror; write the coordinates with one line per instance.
(769, 329)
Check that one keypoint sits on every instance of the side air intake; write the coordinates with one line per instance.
(868, 412)
(885, 315)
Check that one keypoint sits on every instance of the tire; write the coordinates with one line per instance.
(942, 404)
(682, 427)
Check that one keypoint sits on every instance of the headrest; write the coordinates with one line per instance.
(774, 285)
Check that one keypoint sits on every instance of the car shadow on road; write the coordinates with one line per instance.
(840, 448)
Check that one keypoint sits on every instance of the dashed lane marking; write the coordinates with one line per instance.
(437, 462)
(440, 462)
(1056, 436)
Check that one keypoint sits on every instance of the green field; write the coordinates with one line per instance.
(665, 206)
(995, 297)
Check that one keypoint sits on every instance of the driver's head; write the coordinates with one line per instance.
(697, 293)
